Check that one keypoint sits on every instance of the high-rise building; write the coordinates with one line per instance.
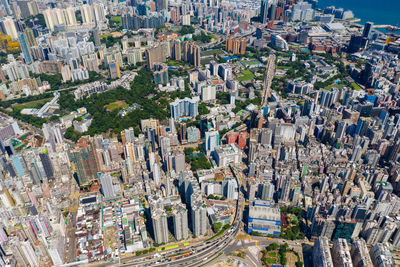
(321, 253)
(155, 54)
(8, 24)
(381, 255)
(236, 45)
(30, 37)
(28, 8)
(47, 166)
(156, 174)
(184, 108)
(278, 41)
(176, 50)
(99, 13)
(267, 192)
(69, 16)
(193, 134)
(341, 253)
(160, 226)
(6, 6)
(199, 219)
(180, 219)
(264, 11)
(160, 73)
(161, 5)
(225, 71)
(114, 70)
(367, 32)
(176, 161)
(18, 164)
(132, 20)
(322, 227)
(212, 141)
(360, 254)
(87, 14)
(301, 11)
(208, 92)
(56, 16)
(25, 48)
(191, 53)
(96, 37)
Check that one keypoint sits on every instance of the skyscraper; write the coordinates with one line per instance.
(114, 70)
(47, 166)
(264, 11)
(9, 27)
(199, 219)
(212, 141)
(25, 48)
(160, 73)
(155, 54)
(6, 6)
(321, 253)
(156, 174)
(236, 45)
(96, 37)
(87, 14)
(368, 27)
(176, 50)
(184, 107)
(161, 5)
(180, 219)
(191, 53)
(160, 226)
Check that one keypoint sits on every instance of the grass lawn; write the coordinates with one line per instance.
(211, 52)
(355, 86)
(116, 105)
(336, 85)
(250, 62)
(175, 63)
(117, 20)
(271, 260)
(284, 67)
(246, 75)
(206, 61)
(104, 36)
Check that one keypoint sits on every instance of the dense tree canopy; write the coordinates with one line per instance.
(141, 92)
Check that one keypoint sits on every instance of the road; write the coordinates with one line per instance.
(222, 39)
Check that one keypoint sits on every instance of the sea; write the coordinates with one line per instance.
(381, 12)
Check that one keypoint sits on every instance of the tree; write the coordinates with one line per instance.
(187, 29)
(217, 226)
(188, 151)
(202, 37)
(203, 110)
(72, 135)
(273, 246)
